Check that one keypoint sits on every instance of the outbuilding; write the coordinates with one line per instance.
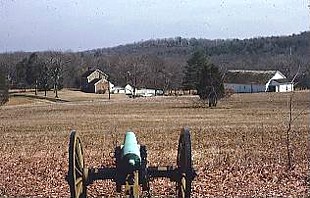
(280, 85)
(253, 81)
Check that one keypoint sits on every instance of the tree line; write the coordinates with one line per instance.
(40, 73)
(45, 70)
(158, 63)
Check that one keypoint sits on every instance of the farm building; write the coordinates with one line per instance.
(117, 90)
(94, 81)
(129, 90)
(252, 81)
(280, 85)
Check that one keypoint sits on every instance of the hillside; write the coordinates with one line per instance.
(280, 52)
(183, 46)
(160, 62)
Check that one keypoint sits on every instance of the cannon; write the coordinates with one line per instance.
(130, 169)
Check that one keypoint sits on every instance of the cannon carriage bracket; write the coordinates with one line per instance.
(133, 178)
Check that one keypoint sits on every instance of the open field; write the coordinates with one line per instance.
(238, 148)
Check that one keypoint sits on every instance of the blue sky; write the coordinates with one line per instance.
(35, 25)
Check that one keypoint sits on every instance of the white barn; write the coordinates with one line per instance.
(253, 81)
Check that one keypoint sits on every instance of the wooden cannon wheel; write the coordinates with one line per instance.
(76, 173)
(184, 162)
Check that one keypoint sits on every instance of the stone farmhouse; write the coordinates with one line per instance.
(94, 81)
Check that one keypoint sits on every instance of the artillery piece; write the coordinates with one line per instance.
(131, 169)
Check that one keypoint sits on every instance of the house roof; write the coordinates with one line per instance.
(128, 86)
(88, 72)
(93, 82)
(248, 76)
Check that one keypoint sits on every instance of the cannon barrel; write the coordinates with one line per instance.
(130, 154)
(131, 168)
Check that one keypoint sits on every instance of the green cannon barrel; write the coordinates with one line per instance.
(131, 158)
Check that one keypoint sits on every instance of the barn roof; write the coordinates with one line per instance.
(282, 80)
(249, 76)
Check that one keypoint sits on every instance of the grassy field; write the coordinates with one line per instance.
(239, 147)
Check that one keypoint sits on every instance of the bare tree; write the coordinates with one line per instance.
(291, 120)
(288, 131)
(56, 69)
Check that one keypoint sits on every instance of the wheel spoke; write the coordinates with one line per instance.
(78, 190)
(183, 184)
(78, 164)
(78, 181)
(79, 156)
(79, 152)
(79, 171)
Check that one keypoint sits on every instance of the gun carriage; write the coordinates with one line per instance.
(131, 169)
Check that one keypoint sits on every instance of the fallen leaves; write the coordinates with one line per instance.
(234, 155)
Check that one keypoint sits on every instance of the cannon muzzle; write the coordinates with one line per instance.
(131, 158)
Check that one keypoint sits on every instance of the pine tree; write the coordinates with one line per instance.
(202, 75)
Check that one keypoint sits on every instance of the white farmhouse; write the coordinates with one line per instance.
(129, 89)
(252, 81)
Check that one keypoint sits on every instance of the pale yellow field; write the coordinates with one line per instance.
(238, 147)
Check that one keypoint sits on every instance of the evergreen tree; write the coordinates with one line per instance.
(203, 76)
(28, 72)
(34, 71)
(192, 70)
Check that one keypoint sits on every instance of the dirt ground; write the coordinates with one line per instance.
(239, 148)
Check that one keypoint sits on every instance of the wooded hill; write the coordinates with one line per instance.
(284, 53)
(159, 63)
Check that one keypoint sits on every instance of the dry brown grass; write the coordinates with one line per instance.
(238, 148)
